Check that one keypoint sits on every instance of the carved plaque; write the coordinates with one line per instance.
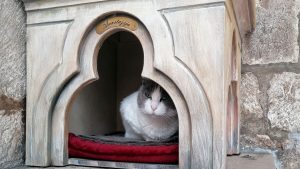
(116, 21)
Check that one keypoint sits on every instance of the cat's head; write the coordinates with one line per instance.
(154, 100)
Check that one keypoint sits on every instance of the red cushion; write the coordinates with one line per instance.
(81, 148)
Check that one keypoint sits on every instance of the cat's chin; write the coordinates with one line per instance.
(153, 114)
(149, 113)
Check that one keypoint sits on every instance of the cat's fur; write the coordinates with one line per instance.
(149, 113)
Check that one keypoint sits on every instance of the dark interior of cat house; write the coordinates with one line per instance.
(95, 109)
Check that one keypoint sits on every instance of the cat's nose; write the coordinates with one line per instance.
(153, 107)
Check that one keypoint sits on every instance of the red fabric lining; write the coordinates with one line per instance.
(96, 147)
(82, 148)
(170, 158)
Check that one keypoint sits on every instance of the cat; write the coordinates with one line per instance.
(149, 113)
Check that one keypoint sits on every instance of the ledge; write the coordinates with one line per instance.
(244, 161)
(250, 161)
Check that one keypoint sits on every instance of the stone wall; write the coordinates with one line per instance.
(271, 84)
(12, 83)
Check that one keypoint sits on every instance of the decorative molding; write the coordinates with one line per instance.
(244, 10)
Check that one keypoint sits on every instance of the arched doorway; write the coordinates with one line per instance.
(88, 73)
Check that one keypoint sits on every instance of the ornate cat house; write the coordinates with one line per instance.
(84, 56)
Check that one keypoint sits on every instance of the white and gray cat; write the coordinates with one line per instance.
(149, 113)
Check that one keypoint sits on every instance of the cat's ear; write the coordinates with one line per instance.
(145, 81)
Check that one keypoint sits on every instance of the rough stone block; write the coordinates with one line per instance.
(284, 102)
(252, 117)
(12, 49)
(249, 95)
(257, 141)
(291, 152)
(11, 138)
(274, 39)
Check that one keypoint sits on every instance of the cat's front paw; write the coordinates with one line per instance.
(133, 136)
(156, 139)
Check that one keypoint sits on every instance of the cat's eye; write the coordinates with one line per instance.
(147, 95)
(163, 99)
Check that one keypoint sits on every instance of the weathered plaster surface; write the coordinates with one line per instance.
(275, 37)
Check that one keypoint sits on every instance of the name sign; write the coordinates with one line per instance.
(116, 21)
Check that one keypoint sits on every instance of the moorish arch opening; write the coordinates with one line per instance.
(95, 110)
(79, 89)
